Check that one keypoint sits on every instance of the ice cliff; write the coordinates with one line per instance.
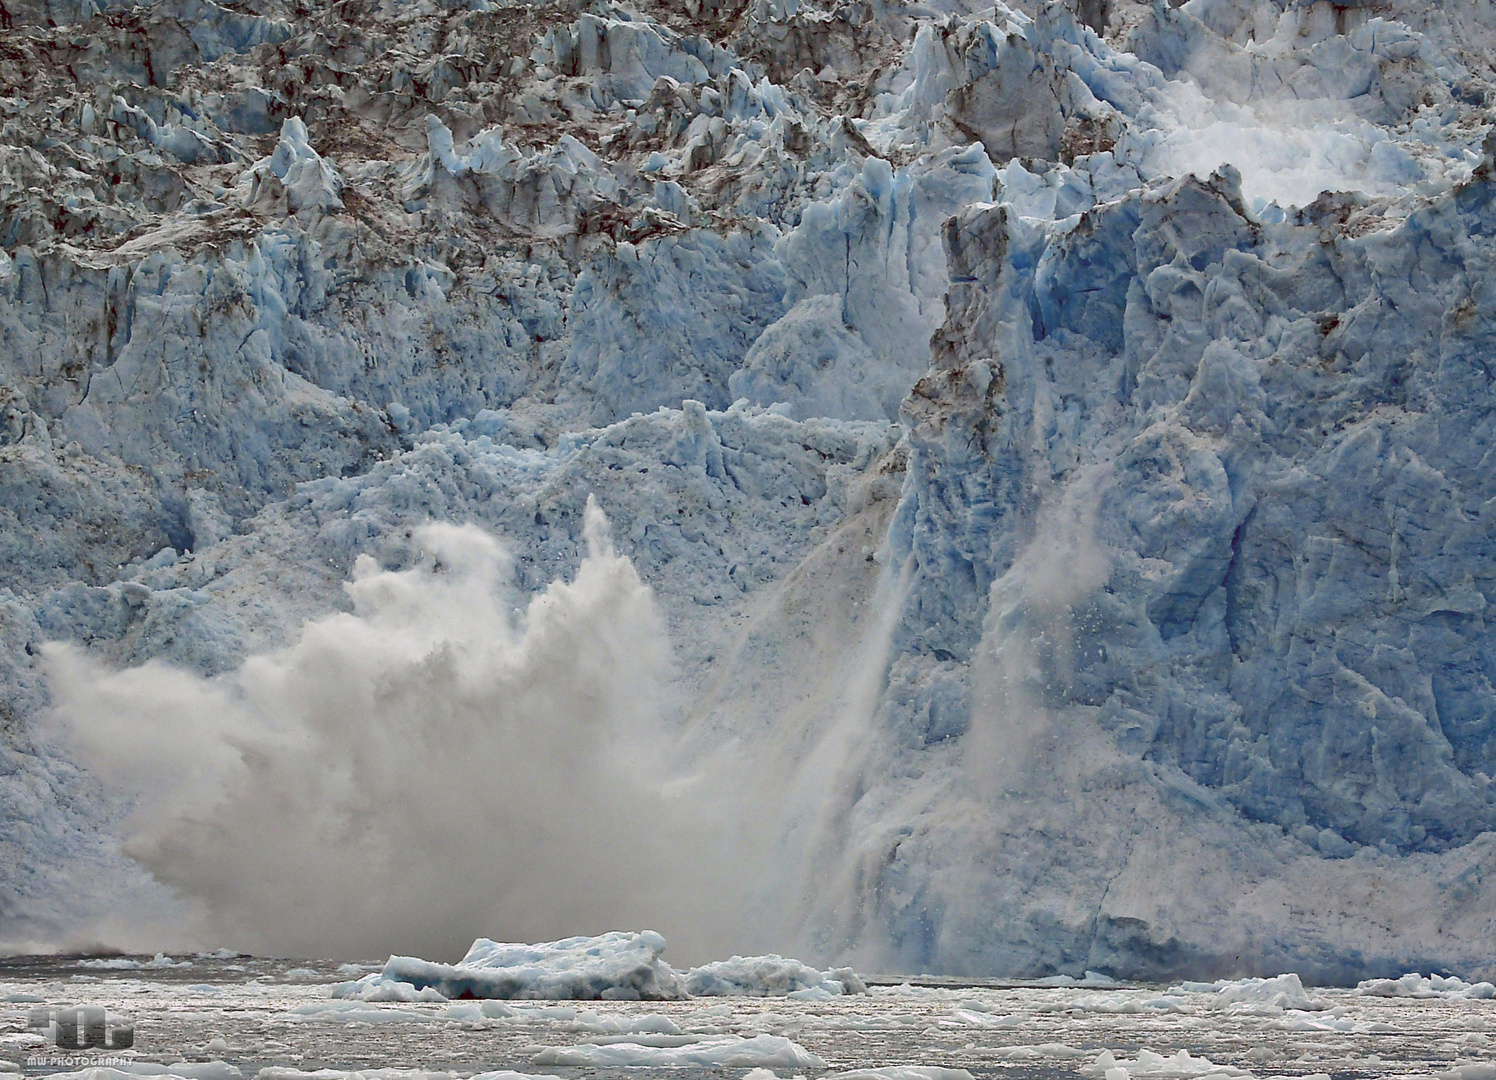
(1051, 442)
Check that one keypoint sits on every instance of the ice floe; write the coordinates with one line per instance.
(709, 1051)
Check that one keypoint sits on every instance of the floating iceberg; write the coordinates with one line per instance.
(374, 987)
(125, 963)
(984, 1018)
(769, 976)
(1414, 985)
(360, 1012)
(617, 966)
(1281, 992)
(707, 1051)
(901, 1073)
(1180, 1066)
(180, 1070)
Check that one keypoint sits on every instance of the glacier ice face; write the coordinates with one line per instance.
(1051, 436)
(1271, 412)
(1201, 513)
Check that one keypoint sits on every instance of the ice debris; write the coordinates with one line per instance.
(1278, 993)
(1474, 1070)
(706, 1051)
(125, 963)
(180, 1070)
(1414, 985)
(1180, 1066)
(769, 976)
(901, 1073)
(984, 1017)
(617, 966)
(359, 1012)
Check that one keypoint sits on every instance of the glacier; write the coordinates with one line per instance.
(1017, 473)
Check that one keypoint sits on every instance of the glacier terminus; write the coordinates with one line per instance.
(992, 490)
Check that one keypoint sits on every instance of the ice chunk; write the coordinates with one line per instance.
(1414, 985)
(188, 1070)
(276, 1072)
(901, 1073)
(1091, 978)
(1479, 1070)
(375, 987)
(651, 1024)
(124, 963)
(181, 1070)
(161, 960)
(473, 1011)
(1182, 1066)
(354, 1012)
(986, 1019)
(1120, 1004)
(1281, 992)
(1063, 1051)
(714, 1051)
(767, 976)
(617, 965)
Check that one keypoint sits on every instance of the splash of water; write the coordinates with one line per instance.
(432, 766)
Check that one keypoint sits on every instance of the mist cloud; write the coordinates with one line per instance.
(435, 765)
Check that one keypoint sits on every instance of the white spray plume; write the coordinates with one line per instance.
(434, 766)
(1286, 155)
(1027, 642)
